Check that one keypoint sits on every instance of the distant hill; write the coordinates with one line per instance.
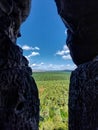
(67, 70)
(52, 70)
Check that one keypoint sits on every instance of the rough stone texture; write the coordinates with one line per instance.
(83, 97)
(19, 101)
(81, 17)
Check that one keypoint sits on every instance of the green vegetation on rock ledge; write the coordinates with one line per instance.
(53, 91)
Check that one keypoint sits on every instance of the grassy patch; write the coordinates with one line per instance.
(53, 91)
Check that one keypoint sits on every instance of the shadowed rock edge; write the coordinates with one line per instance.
(19, 100)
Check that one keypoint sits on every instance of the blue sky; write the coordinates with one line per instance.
(43, 38)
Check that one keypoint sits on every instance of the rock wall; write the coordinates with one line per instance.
(83, 97)
(19, 100)
(81, 17)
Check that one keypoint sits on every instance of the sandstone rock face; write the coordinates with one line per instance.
(19, 100)
(81, 17)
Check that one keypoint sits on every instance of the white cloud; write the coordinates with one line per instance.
(67, 52)
(60, 53)
(41, 63)
(27, 48)
(33, 54)
(27, 58)
(70, 66)
(36, 48)
(36, 65)
(45, 67)
(65, 47)
(33, 65)
(64, 53)
(55, 67)
(65, 31)
(66, 57)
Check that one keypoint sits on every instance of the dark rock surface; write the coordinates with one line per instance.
(83, 97)
(81, 17)
(19, 100)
